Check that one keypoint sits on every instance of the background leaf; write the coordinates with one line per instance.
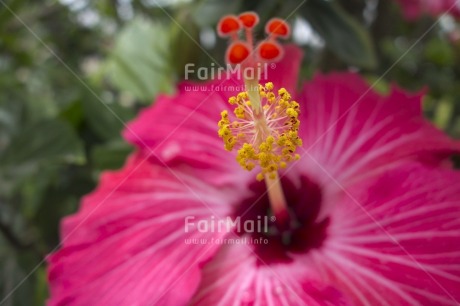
(140, 62)
(45, 140)
(110, 156)
(106, 120)
(344, 36)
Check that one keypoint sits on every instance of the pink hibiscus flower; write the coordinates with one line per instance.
(413, 9)
(373, 202)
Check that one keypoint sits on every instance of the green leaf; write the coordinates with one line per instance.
(41, 286)
(49, 140)
(18, 287)
(440, 52)
(73, 114)
(443, 114)
(12, 274)
(343, 35)
(140, 63)
(106, 120)
(185, 43)
(11, 113)
(110, 156)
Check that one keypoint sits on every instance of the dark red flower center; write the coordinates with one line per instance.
(302, 234)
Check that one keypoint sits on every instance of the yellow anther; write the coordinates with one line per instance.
(282, 91)
(292, 113)
(271, 97)
(242, 96)
(268, 141)
(250, 166)
(284, 94)
(263, 147)
(239, 112)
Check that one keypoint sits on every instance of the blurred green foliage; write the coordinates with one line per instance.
(72, 72)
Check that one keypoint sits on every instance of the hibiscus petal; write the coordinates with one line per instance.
(396, 240)
(236, 276)
(183, 130)
(351, 133)
(128, 244)
(286, 72)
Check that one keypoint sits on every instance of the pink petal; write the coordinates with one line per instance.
(127, 244)
(286, 72)
(396, 240)
(236, 276)
(183, 130)
(352, 133)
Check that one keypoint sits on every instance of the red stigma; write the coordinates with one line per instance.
(278, 28)
(270, 51)
(249, 19)
(228, 25)
(239, 50)
(237, 53)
